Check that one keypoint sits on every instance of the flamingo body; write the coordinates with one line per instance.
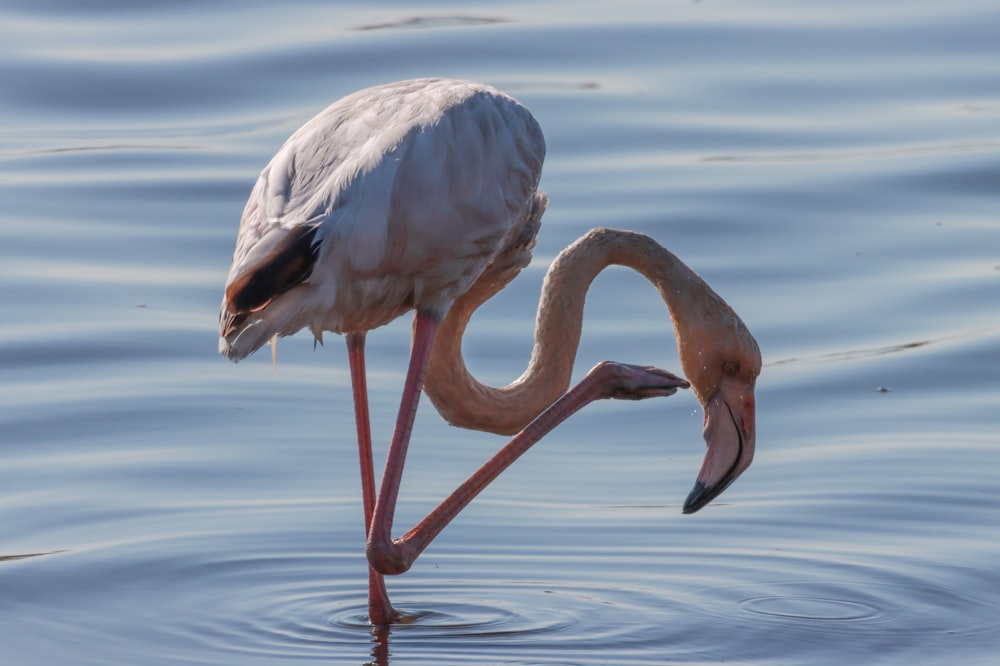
(394, 198)
(423, 195)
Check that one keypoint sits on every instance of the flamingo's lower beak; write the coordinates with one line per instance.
(730, 434)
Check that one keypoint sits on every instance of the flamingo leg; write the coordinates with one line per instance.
(606, 380)
(380, 610)
(383, 554)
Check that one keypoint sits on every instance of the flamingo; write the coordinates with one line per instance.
(423, 196)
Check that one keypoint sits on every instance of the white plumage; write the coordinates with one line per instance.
(393, 198)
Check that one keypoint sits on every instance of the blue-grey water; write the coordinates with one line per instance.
(832, 169)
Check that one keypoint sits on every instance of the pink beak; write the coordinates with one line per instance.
(730, 434)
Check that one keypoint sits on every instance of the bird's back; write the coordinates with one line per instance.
(395, 197)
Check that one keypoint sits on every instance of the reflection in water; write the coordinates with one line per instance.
(380, 645)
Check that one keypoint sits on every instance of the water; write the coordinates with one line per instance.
(832, 169)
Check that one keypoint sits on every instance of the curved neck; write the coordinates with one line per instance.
(464, 401)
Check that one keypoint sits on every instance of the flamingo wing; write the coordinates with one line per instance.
(393, 198)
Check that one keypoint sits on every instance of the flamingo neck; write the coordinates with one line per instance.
(464, 401)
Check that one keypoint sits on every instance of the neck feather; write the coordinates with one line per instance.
(464, 401)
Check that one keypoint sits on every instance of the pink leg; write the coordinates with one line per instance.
(606, 380)
(383, 554)
(380, 610)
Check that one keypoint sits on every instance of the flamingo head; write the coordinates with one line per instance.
(722, 363)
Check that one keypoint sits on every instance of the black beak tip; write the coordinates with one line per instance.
(699, 496)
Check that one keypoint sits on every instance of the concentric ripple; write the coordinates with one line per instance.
(629, 608)
(811, 608)
(288, 606)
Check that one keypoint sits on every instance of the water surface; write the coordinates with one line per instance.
(831, 169)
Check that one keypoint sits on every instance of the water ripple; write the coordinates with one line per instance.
(810, 608)
(434, 22)
(831, 170)
(304, 606)
(288, 607)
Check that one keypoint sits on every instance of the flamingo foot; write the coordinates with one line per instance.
(624, 381)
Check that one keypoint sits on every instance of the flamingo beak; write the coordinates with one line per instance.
(730, 434)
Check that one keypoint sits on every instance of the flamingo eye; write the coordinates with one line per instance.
(730, 368)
